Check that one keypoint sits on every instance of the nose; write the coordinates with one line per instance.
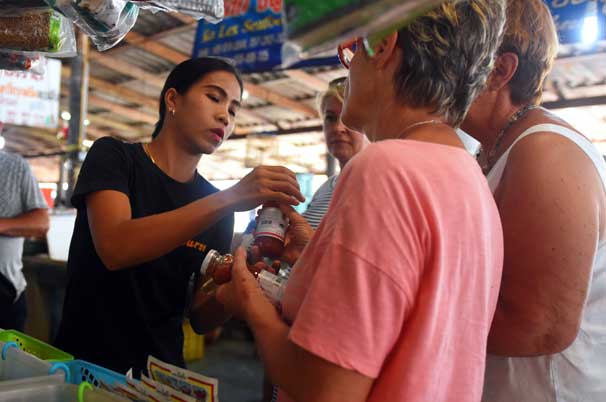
(341, 128)
(223, 117)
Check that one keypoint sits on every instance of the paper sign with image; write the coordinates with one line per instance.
(201, 388)
(167, 392)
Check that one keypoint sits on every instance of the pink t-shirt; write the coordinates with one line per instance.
(400, 281)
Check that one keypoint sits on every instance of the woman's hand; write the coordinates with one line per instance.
(298, 234)
(263, 184)
(242, 296)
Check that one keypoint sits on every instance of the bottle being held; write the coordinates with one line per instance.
(216, 270)
(270, 232)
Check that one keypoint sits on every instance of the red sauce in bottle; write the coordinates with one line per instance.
(270, 232)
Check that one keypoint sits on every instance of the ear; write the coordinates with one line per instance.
(385, 50)
(170, 99)
(504, 69)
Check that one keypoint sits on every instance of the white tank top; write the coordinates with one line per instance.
(578, 374)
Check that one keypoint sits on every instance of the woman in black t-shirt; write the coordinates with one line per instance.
(146, 219)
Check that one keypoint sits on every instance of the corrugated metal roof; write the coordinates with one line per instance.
(574, 76)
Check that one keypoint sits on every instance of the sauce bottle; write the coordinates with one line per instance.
(270, 232)
(216, 270)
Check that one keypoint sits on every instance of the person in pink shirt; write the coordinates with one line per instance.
(392, 298)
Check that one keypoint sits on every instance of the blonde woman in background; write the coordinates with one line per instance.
(341, 142)
(548, 337)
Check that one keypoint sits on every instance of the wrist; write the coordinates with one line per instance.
(261, 316)
(226, 199)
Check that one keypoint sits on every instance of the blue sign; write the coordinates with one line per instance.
(579, 20)
(251, 34)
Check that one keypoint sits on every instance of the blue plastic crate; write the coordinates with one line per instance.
(82, 371)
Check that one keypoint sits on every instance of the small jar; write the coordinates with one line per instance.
(270, 231)
(216, 270)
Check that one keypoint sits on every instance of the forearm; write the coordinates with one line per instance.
(206, 313)
(280, 356)
(136, 241)
(30, 224)
(518, 333)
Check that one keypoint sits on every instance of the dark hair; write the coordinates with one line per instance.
(188, 73)
(448, 54)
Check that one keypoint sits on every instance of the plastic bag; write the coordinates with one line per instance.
(18, 61)
(211, 10)
(106, 22)
(37, 30)
(316, 28)
(12, 5)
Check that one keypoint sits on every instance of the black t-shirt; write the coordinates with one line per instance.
(117, 318)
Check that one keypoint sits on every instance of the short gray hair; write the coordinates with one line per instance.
(447, 55)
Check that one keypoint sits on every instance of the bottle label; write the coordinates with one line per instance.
(271, 224)
(272, 285)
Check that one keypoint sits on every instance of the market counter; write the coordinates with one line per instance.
(46, 281)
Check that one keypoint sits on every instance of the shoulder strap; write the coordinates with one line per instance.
(580, 140)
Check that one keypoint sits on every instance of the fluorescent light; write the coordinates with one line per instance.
(590, 30)
(2, 142)
(245, 95)
(65, 186)
(65, 115)
(87, 143)
(86, 122)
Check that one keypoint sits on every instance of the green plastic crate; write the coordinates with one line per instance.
(35, 347)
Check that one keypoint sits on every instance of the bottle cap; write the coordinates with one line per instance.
(212, 254)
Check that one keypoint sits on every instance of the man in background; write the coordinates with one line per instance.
(23, 213)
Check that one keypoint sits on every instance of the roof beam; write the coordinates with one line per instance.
(95, 133)
(579, 102)
(186, 19)
(127, 69)
(155, 47)
(103, 120)
(279, 100)
(168, 53)
(126, 94)
(307, 79)
(131, 113)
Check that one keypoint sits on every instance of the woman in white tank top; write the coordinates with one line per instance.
(548, 338)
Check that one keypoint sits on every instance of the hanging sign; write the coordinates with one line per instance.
(252, 34)
(579, 21)
(27, 99)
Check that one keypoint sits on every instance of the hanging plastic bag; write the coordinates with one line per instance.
(12, 5)
(37, 30)
(18, 61)
(316, 28)
(106, 22)
(211, 10)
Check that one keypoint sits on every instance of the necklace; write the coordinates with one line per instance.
(148, 153)
(514, 118)
(420, 123)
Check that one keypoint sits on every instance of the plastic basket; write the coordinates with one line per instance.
(16, 364)
(35, 347)
(193, 344)
(82, 371)
(59, 393)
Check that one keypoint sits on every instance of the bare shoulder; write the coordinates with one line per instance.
(545, 154)
(547, 169)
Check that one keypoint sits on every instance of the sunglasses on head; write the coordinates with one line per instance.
(348, 49)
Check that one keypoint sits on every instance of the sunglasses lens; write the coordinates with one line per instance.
(347, 52)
